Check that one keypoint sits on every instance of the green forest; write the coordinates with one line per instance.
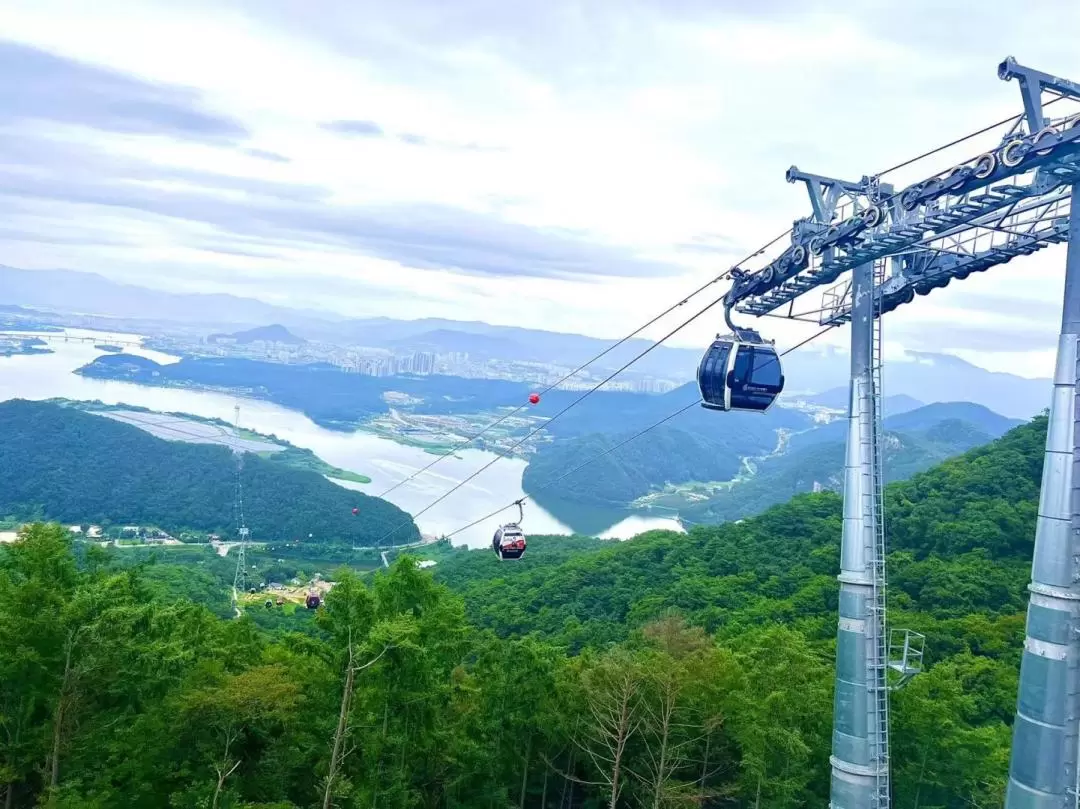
(58, 463)
(693, 453)
(667, 670)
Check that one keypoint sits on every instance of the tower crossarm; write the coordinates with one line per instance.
(906, 222)
(1032, 84)
(936, 261)
(852, 223)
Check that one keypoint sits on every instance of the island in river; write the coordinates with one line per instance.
(197, 430)
(12, 345)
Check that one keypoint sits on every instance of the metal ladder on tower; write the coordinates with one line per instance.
(877, 637)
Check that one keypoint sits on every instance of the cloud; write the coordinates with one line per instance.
(263, 154)
(367, 129)
(626, 129)
(416, 234)
(38, 86)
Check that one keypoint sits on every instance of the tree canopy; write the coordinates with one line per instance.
(667, 670)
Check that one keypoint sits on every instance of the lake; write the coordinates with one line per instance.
(49, 376)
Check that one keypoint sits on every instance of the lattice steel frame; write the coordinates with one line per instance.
(1010, 201)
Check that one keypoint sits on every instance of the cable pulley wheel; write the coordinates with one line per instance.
(1042, 134)
(984, 166)
(909, 199)
(1009, 156)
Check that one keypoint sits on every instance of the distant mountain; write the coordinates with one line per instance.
(821, 465)
(684, 454)
(837, 399)
(268, 334)
(922, 418)
(90, 293)
(926, 377)
(450, 340)
(511, 342)
(982, 418)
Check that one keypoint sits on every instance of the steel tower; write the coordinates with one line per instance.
(1012, 200)
(1043, 771)
(860, 759)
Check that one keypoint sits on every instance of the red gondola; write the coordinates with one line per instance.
(509, 541)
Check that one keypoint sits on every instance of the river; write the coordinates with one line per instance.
(48, 376)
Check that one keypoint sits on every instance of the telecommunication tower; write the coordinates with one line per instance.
(240, 580)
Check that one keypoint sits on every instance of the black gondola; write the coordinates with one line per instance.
(740, 371)
(509, 540)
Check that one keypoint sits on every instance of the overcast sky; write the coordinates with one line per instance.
(546, 163)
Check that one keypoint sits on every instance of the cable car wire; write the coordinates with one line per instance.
(461, 445)
(545, 425)
(619, 445)
(595, 458)
(1010, 120)
(592, 390)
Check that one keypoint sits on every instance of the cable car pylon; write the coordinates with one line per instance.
(1011, 200)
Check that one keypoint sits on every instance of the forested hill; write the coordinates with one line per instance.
(973, 515)
(63, 464)
(717, 647)
(798, 470)
(701, 447)
(961, 538)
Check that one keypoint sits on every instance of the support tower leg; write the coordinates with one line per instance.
(1043, 771)
(860, 767)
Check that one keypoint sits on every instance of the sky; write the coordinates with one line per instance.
(573, 166)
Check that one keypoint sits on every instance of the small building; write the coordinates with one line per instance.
(94, 531)
(75, 529)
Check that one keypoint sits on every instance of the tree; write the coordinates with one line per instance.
(612, 689)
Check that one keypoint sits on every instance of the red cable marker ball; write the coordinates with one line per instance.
(534, 398)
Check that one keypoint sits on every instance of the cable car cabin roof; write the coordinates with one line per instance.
(738, 375)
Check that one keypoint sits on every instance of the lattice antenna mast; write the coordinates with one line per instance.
(240, 584)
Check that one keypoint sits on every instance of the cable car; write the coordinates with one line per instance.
(740, 371)
(509, 541)
(312, 601)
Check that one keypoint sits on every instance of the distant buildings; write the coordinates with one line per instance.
(382, 362)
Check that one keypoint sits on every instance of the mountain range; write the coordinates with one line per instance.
(693, 459)
(923, 376)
